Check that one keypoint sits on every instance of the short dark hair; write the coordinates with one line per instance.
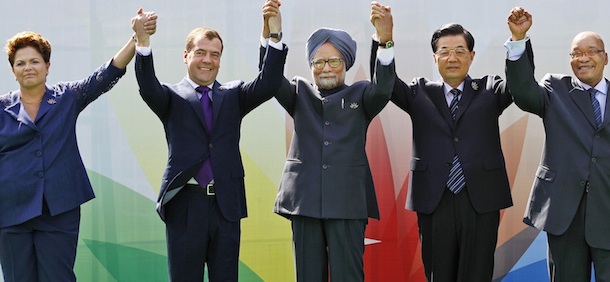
(452, 29)
(206, 33)
(28, 39)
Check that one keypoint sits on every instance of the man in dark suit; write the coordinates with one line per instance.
(202, 197)
(570, 197)
(458, 181)
(327, 188)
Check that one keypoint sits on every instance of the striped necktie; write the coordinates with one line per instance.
(456, 180)
(596, 108)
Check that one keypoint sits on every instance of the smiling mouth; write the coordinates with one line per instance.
(585, 67)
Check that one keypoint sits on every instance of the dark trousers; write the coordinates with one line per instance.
(458, 244)
(198, 234)
(41, 249)
(321, 245)
(570, 257)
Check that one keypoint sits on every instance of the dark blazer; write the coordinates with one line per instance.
(327, 174)
(189, 142)
(41, 159)
(474, 137)
(576, 157)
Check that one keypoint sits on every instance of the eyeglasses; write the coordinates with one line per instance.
(320, 63)
(589, 53)
(445, 52)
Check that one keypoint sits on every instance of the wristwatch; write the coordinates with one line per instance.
(388, 44)
(277, 36)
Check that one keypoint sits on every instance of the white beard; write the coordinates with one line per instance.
(328, 82)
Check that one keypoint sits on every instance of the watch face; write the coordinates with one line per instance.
(276, 35)
(389, 44)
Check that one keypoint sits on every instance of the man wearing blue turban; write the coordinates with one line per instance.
(327, 189)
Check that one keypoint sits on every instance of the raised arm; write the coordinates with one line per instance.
(125, 54)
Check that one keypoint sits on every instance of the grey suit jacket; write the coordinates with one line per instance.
(576, 158)
(327, 174)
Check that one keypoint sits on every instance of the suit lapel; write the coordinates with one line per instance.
(17, 112)
(582, 99)
(437, 95)
(186, 90)
(471, 87)
(604, 118)
(217, 98)
(49, 100)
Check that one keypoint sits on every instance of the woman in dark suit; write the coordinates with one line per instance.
(43, 180)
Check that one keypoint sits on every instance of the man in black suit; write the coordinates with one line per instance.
(570, 197)
(327, 188)
(458, 181)
(202, 197)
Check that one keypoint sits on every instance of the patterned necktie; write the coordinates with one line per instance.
(453, 105)
(597, 111)
(456, 180)
(205, 175)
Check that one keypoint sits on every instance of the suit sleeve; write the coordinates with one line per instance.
(379, 96)
(151, 90)
(527, 93)
(96, 84)
(286, 94)
(268, 81)
(402, 92)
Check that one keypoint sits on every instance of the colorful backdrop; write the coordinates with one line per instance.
(124, 149)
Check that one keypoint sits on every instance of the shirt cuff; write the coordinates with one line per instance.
(385, 55)
(143, 50)
(515, 48)
(278, 45)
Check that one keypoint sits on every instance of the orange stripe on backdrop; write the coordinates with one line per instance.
(513, 139)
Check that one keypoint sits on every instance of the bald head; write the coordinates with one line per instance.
(588, 36)
(589, 57)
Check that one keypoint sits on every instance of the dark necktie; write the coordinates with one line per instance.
(596, 109)
(456, 180)
(205, 175)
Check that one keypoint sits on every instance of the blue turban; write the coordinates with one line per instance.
(344, 43)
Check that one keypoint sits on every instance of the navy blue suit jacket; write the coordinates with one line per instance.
(188, 140)
(41, 159)
(474, 136)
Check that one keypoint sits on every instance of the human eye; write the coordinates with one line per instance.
(334, 62)
(443, 52)
(576, 54)
(461, 51)
(318, 63)
(593, 52)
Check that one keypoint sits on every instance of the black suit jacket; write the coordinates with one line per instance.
(474, 136)
(576, 158)
(179, 109)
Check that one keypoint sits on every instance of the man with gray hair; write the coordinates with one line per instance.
(327, 189)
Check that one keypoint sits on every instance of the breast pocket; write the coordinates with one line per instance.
(545, 174)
